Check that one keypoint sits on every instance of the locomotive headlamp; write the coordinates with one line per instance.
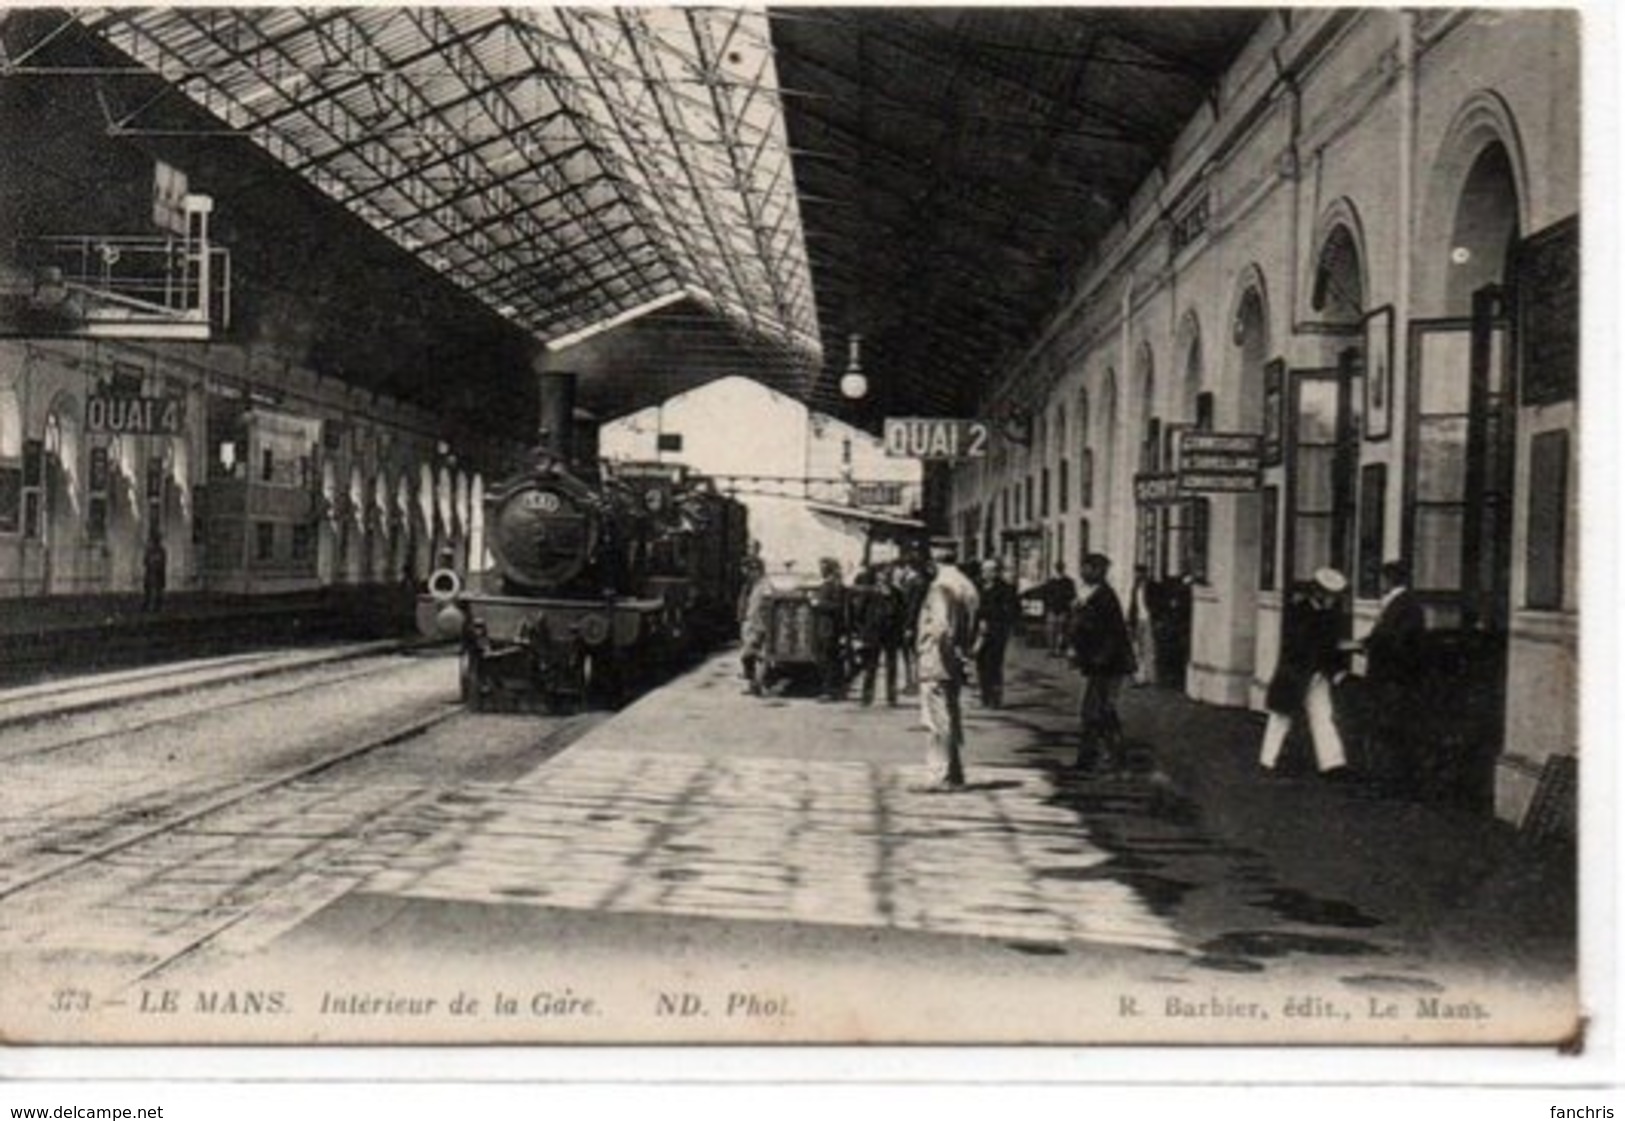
(594, 629)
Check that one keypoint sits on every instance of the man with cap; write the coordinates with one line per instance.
(946, 631)
(1000, 613)
(877, 630)
(1312, 654)
(1104, 654)
(829, 620)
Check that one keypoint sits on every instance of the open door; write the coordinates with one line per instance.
(1458, 532)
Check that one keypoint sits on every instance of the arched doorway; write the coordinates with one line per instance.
(355, 539)
(60, 522)
(11, 465)
(176, 505)
(1321, 431)
(460, 509)
(1148, 522)
(1252, 553)
(1183, 543)
(424, 524)
(382, 555)
(1085, 456)
(329, 532)
(1106, 485)
(445, 519)
(122, 522)
(1457, 524)
(1461, 530)
(403, 560)
(1062, 465)
(1458, 528)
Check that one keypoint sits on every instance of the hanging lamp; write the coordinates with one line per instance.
(854, 386)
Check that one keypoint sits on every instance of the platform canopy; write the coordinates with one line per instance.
(568, 166)
(728, 191)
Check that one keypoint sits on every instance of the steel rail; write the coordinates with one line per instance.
(407, 730)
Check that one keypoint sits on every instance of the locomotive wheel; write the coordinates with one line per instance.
(471, 678)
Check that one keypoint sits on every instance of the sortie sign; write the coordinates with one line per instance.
(937, 438)
(1157, 489)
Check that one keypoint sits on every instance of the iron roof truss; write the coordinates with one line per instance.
(567, 165)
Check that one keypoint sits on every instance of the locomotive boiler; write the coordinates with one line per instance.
(602, 575)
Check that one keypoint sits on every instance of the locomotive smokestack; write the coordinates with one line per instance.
(586, 443)
(557, 392)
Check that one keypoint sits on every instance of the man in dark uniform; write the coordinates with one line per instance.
(1060, 594)
(154, 572)
(1393, 669)
(998, 618)
(877, 625)
(829, 607)
(1104, 655)
(1057, 595)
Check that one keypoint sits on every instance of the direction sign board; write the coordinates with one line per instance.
(1224, 462)
(937, 438)
(877, 494)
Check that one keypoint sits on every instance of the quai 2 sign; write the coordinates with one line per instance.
(937, 438)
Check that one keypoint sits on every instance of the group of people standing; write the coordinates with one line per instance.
(911, 625)
(864, 631)
(962, 624)
(945, 625)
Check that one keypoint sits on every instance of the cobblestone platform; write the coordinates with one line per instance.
(609, 828)
(699, 801)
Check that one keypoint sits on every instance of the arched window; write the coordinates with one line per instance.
(1187, 523)
(1339, 288)
(1320, 426)
(1099, 491)
(1059, 457)
(11, 462)
(61, 445)
(1150, 426)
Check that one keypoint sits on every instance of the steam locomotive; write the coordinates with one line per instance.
(603, 576)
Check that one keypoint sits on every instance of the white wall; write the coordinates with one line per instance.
(1384, 109)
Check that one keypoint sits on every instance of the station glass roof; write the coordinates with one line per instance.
(568, 166)
(667, 194)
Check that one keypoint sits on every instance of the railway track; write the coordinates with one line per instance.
(29, 704)
(222, 801)
(180, 684)
(145, 879)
